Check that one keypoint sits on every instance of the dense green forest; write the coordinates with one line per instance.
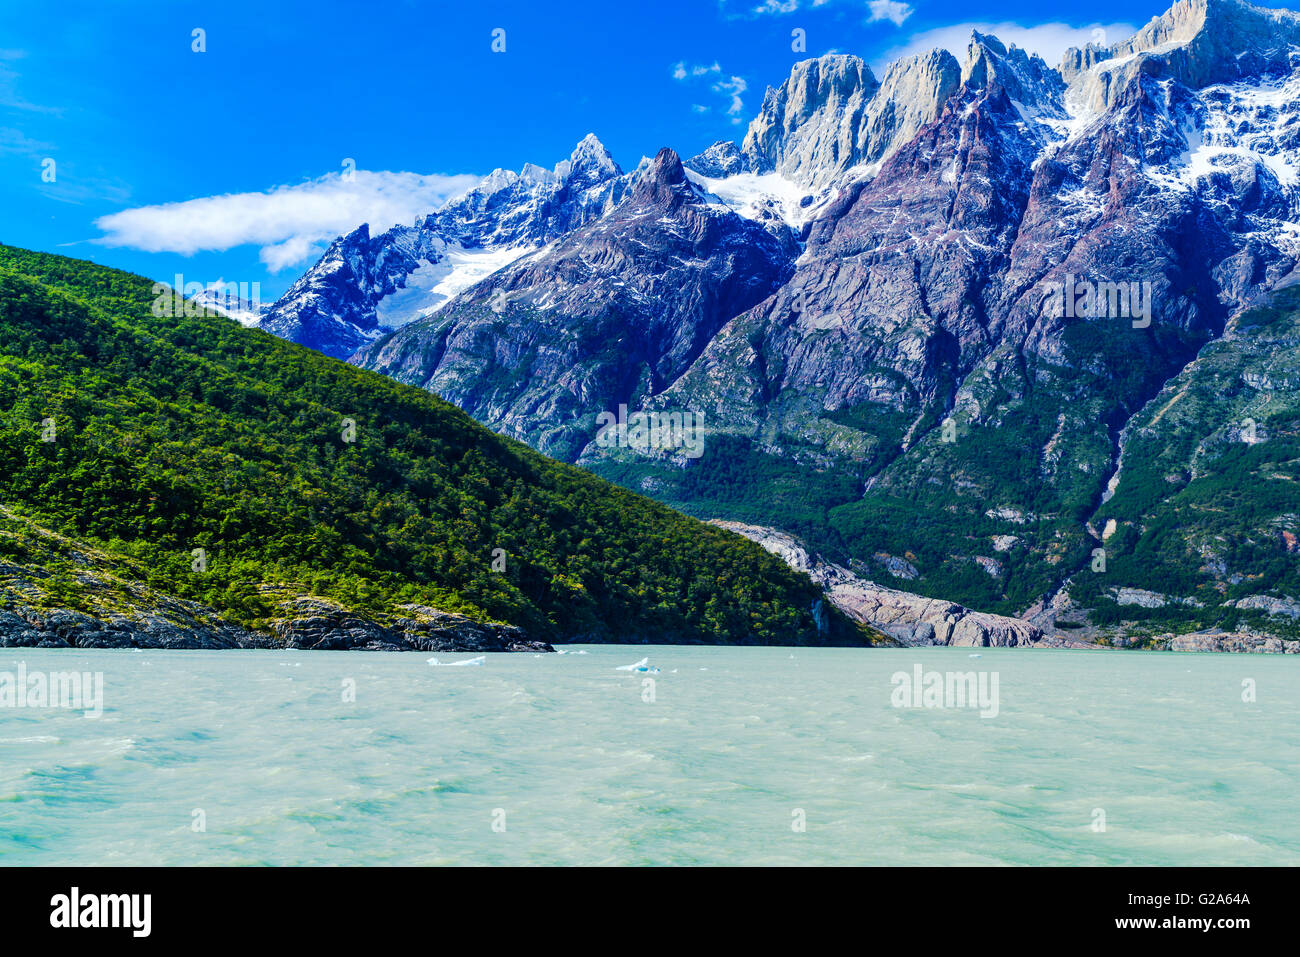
(231, 468)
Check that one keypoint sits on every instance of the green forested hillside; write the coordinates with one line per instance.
(150, 438)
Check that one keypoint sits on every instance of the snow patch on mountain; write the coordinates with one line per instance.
(1256, 123)
(437, 281)
(218, 298)
(756, 195)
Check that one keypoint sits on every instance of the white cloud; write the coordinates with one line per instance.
(19, 143)
(1048, 40)
(728, 87)
(891, 10)
(732, 87)
(290, 223)
(683, 72)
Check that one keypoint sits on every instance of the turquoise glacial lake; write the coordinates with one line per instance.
(758, 756)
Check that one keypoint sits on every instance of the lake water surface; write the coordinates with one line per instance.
(726, 756)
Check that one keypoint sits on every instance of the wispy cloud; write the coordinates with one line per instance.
(290, 223)
(1048, 40)
(10, 98)
(893, 10)
(729, 87)
(683, 72)
(76, 191)
(75, 183)
(16, 142)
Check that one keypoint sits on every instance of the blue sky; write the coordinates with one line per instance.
(252, 134)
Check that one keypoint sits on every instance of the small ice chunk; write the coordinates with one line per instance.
(455, 664)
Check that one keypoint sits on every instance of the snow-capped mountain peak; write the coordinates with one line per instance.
(1197, 42)
(1029, 253)
(589, 164)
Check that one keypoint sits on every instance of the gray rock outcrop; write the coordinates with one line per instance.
(909, 619)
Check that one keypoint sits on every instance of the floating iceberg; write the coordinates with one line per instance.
(457, 664)
(643, 666)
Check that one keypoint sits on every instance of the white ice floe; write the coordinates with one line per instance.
(455, 664)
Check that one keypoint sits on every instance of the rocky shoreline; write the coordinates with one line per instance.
(911, 620)
(312, 624)
(1230, 642)
(317, 625)
(914, 620)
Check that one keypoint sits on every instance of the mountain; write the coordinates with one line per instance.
(609, 314)
(363, 285)
(980, 278)
(189, 482)
(832, 115)
(918, 403)
(722, 159)
(228, 300)
(1202, 520)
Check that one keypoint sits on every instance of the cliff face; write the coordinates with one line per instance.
(832, 115)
